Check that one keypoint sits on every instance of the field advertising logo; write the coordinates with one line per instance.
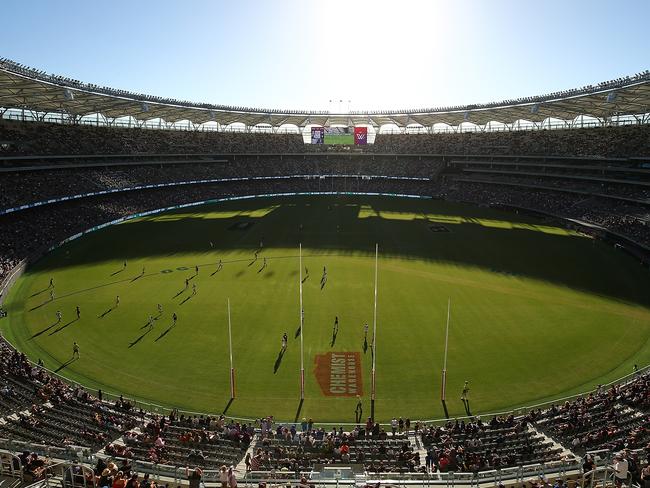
(339, 373)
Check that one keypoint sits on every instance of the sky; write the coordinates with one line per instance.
(302, 54)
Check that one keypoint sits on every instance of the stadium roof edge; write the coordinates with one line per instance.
(30, 89)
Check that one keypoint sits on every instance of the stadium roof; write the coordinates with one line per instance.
(30, 89)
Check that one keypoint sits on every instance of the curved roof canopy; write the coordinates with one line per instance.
(23, 87)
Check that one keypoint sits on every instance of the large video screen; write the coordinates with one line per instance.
(339, 135)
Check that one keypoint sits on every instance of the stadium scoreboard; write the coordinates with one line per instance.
(339, 135)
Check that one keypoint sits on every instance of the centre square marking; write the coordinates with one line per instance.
(339, 373)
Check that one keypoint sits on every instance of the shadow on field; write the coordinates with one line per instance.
(39, 292)
(334, 334)
(468, 411)
(165, 332)
(299, 410)
(40, 305)
(444, 407)
(278, 360)
(139, 338)
(66, 364)
(227, 406)
(105, 313)
(63, 326)
(502, 242)
(44, 330)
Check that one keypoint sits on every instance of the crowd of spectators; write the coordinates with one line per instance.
(476, 445)
(619, 142)
(295, 448)
(34, 186)
(621, 191)
(34, 138)
(614, 418)
(206, 442)
(626, 218)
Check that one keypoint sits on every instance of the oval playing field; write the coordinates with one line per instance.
(537, 312)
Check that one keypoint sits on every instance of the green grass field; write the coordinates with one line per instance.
(339, 139)
(538, 312)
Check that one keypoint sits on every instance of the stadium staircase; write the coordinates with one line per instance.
(565, 452)
(417, 445)
(9, 482)
(241, 467)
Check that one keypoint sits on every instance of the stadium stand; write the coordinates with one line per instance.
(47, 411)
(596, 176)
(617, 142)
(57, 139)
(287, 449)
(475, 446)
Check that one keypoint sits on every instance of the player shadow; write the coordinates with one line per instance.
(252, 262)
(44, 330)
(165, 332)
(137, 277)
(215, 271)
(322, 284)
(40, 305)
(66, 364)
(105, 313)
(334, 334)
(179, 293)
(63, 326)
(145, 325)
(297, 334)
(39, 292)
(186, 299)
(117, 272)
(139, 339)
(278, 360)
(305, 278)
(261, 269)
(468, 411)
(193, 276)
(365, 345)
